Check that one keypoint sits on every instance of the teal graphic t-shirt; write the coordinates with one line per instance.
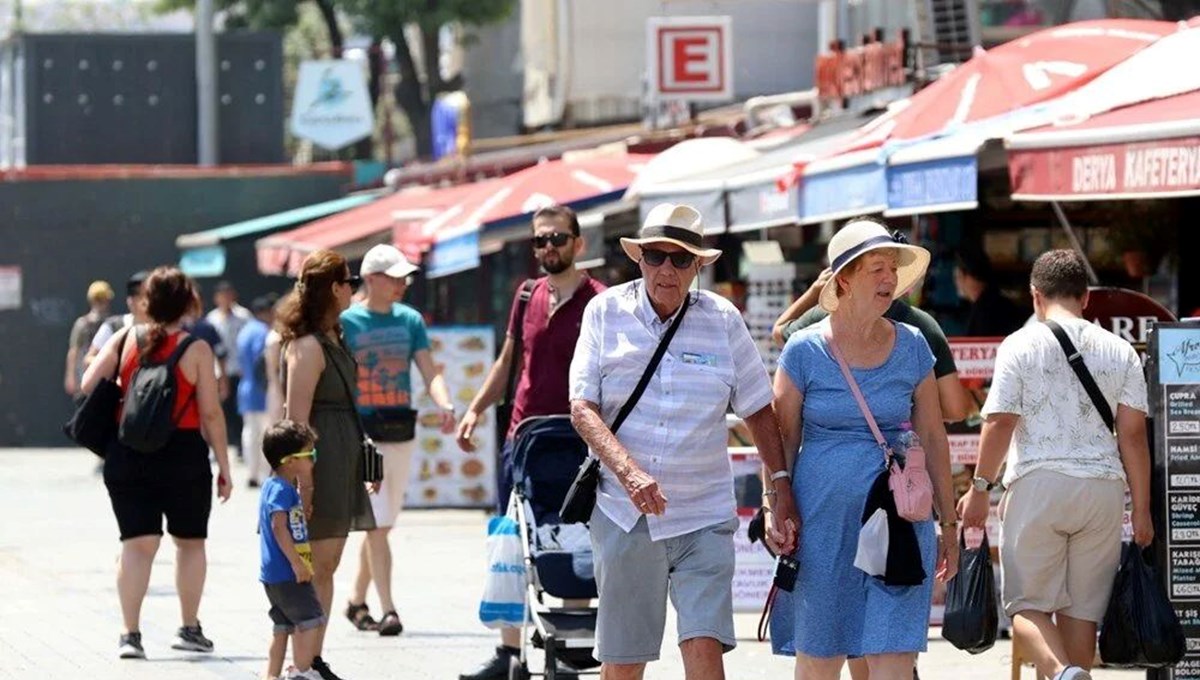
(384, 345)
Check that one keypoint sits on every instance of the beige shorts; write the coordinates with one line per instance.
(1060, 544)
(397, 465)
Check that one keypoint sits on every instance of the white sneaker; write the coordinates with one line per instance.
(310, 674)
(1073, 673)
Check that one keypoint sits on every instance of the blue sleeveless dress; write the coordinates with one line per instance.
(836, 609)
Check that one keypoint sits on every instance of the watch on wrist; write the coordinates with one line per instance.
(982, 484)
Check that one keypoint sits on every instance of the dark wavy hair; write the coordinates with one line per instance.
(169, 294)
(311, 306)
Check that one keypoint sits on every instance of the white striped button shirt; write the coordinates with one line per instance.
(677, 432)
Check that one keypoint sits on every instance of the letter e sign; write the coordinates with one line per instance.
(690, 58)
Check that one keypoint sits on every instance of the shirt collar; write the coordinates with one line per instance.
(647, 309)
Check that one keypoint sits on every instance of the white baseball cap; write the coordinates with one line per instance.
(387, 259)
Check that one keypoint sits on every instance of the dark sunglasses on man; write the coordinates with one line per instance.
(680, 259)
(355, 282)
(558, 239)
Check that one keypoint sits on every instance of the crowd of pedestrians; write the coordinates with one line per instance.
(862, 373)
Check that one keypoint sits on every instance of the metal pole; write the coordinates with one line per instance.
(1066, 225)
(206, 85)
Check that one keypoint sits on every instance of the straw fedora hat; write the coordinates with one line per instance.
(671, 223)
(863, 236)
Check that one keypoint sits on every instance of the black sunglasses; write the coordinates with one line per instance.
(355, 282)
(558, 239)
(680, 259)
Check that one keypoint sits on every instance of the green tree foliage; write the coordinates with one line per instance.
(421, 81)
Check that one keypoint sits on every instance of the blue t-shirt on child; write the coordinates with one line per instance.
(280, 496)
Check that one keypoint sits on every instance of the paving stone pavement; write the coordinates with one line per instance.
(59, 616)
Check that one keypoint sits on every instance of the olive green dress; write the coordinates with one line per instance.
(340, 500)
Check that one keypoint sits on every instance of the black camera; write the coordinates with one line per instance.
(786, 568)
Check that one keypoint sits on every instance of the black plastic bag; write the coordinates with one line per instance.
(1141, 629)
(971, 620)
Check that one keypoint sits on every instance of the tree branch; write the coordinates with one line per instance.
(329, 14)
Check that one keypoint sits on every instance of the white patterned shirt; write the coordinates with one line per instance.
(676, 433)
(1060, 429)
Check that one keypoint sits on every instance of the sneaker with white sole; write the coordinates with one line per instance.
(130, 647)
(1073, 673)
(310, 674)
(191, 639)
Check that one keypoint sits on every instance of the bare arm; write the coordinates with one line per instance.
(927, 422)
(283, 536)
(994, 440)
(199, 366)
(105, 363)
(953, 397)
(642, 489)
(802, 304)
(69, 375)
(765, 431)
(435, 384)
(305, 362)
(1135, 457)
(491, 392)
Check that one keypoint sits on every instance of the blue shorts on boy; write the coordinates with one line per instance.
(294, 606)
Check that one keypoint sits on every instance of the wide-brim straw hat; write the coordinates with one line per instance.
(671, 223)
(863, 236)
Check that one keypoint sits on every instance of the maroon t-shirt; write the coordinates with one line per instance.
(548, 345)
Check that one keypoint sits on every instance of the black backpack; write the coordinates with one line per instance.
(149, 417)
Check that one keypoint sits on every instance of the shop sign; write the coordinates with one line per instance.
(1169, 167)
(856, 190)
(203, 262)
(841, 74)
(1175, 408)
(332, 108)
(454, 255)
(690, 58)
(762, 205)
(935, 185)
(1127, 314)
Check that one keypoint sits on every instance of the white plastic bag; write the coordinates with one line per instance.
(873, 544)
(503, 602)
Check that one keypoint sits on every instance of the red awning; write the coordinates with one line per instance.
(1146, 150)
(552, 182)
(354, 231)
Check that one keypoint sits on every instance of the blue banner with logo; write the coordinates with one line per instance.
(1179, 356)
(857, 190)
(457, 254)
(930, 186)
(203, 262)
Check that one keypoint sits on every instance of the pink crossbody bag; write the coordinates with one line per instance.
(908, 479)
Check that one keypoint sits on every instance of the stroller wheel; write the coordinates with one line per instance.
(516, 669)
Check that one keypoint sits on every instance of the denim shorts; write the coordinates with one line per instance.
(635, 575)
(294, 606)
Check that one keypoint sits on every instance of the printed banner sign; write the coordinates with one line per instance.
(1166, 167)
(938, 185)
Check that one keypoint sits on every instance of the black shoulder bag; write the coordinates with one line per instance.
(581, 498)
(1075, 359)
(94, 423)
(372, 470)
(504, 411)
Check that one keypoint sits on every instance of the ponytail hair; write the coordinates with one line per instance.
(169, 296)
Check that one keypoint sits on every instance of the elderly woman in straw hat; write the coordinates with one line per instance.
(837, 611)
(665, 512)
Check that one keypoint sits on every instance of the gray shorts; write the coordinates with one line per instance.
(294, 606)
(634, 575)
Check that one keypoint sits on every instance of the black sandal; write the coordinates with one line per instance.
(360, 616)
(390, 624)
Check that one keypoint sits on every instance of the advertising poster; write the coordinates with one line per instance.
(442, 474)
(1174, 355)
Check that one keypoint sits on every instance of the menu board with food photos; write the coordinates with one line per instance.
(443, 475)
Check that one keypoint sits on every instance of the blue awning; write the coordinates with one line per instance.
(260, 226)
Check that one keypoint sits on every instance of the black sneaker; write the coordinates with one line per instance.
(323, 669)
(191, 639)
(130, 647)
(495, 668)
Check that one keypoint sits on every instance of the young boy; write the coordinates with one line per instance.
(286, 571)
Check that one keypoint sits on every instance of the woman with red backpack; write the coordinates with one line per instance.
(158, 465)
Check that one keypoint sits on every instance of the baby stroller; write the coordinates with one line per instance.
(558, 557)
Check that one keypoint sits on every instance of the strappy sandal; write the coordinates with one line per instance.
(360, 616)
(390, 624)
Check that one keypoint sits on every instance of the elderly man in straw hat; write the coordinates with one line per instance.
(665, 512)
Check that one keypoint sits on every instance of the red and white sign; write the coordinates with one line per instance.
(690, 58)
(1168, 167)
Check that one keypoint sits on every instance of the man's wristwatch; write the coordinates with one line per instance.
(982, 484)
